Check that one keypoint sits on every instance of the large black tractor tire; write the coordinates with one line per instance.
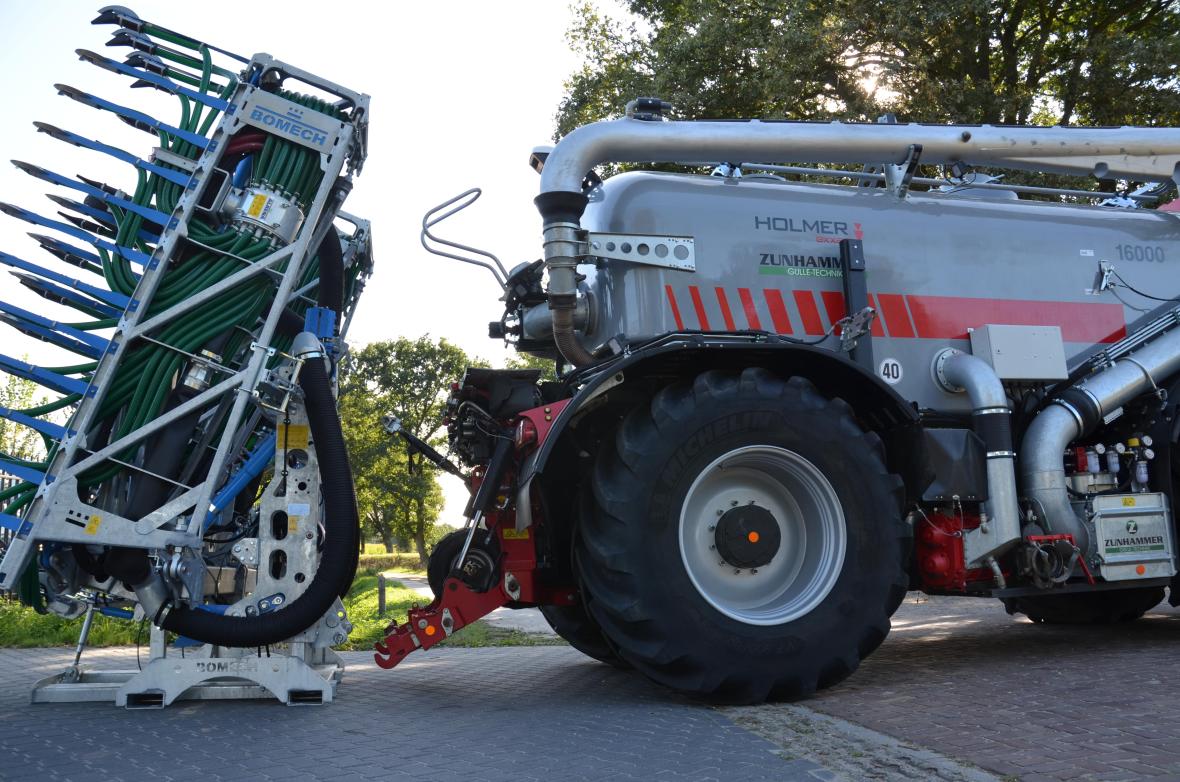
(1087, 608)
(780, 490)
(578, 628)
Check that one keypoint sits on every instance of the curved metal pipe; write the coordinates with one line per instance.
(992, 422)
(1137, 153)
(1042, 470)
(1077, 413)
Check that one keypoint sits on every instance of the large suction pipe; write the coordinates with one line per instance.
(1077, 413)
(1132, 153)
(992, 421)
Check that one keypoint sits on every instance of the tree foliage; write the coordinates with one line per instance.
(525, 361)
(19, 442)
(398, 495)
(1099, 62)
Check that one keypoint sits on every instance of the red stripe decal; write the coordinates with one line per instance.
(805, 301)
(699, 306)
(949, 317)
(778, 311)
(833, 307)
(725, 313)
(675, 308)
(751, 312)
(897, 318)
(878, 330)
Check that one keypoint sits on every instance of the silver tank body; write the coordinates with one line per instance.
(767, 257)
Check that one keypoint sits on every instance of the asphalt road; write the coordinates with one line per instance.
(960, 691)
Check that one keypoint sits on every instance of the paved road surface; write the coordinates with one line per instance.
(960, 691)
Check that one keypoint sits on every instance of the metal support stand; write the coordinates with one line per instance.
(297, 673)
(856, 297)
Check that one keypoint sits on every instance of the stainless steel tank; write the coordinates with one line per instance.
(938, 265)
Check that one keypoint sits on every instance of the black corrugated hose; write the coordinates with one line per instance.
(337, 557)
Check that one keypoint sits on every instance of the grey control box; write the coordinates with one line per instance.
(1031, 353)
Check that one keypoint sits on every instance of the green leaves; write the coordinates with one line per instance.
(1010, 61)
(398, 496)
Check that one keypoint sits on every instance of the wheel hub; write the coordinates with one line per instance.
(747, 536)
(762, 535)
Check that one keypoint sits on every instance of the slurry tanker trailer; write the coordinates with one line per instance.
(791, 387)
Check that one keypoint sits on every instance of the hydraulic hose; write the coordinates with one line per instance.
(337, 558)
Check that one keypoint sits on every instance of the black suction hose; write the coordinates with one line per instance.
(341, 539)
(331, 288)
(330, 292)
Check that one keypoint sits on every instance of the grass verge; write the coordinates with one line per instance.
(21, 627)
(368, 628)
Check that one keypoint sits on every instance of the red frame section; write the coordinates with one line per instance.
(941, 563)
(517, 584)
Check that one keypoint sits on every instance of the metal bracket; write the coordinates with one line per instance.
(668, 252)
(1102, 278)
(853, 327)
(246, 551)
(897, 177)
(856, 302)
(511, 586)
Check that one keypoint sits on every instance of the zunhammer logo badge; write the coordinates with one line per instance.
(1132, 527)
(1133, 545)
(799, 265)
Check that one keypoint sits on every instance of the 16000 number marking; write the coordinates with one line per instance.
(1141, 252)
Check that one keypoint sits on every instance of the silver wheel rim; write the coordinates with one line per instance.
(810, 519)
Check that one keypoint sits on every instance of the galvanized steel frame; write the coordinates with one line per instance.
(56, 499)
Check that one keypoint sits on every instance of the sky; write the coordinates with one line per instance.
(461, 93)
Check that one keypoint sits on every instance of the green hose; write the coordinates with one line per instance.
(140, 386)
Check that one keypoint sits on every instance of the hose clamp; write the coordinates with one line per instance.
(1077, 417)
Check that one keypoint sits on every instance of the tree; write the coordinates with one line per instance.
(547, 366)
(398, 495)
(1010, 61)
(17, 441)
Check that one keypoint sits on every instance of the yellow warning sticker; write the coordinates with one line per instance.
(292, 436)
(1128, 502)
(93, 524)
(511, 533)
(257, 204)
